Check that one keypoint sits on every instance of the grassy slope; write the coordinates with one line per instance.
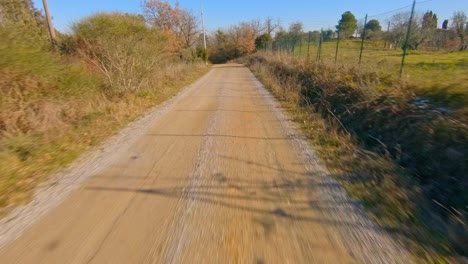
(392, 196)
(53, 110)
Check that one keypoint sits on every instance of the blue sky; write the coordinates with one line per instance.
(221, 13)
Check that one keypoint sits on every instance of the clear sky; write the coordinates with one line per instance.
(221, 13)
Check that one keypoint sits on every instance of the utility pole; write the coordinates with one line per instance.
(53, 40)
(204, 34)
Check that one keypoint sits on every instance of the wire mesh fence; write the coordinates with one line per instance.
(400, 41)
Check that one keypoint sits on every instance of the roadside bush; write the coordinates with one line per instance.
(122, 47)
(29, 74)
(202, 53)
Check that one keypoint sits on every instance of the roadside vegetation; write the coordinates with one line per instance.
(438, 75)
(107, 71)
(403, 163)
(398, 144)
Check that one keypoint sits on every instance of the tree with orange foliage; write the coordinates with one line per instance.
(243, 37)
(237, 41)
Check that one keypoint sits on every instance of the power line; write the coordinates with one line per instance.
(398, 9)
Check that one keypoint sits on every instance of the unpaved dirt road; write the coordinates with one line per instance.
(220, 176)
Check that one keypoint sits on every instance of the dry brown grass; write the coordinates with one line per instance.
(41, 132)
(370, 174)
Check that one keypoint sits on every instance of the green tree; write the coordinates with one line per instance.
(123, 47)
(262, 41)
(428, 27)
(373, 29)
(429, 20)
(202, 53)
(373, 25)
(295, 33)
(347, 24)
(328, 34)
(281, 39)
(219, 48)
(445, 24)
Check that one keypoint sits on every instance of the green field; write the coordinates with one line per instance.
(438, 75)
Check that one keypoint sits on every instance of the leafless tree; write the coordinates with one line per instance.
(257, 26)
(271, 25)
(161, 14)
(181, 23)
(458, 25)
(399, 27)
(189, 28)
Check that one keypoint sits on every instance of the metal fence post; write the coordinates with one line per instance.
(319, 51)
(308, 47)
(300, 46)
(363, 37)
(337, 44)
(405, 45)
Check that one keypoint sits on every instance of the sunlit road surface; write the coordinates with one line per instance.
(218, 178)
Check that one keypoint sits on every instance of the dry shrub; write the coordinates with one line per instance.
(23, 111)
(123, 48)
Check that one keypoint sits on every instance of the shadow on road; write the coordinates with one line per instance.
(257, 197)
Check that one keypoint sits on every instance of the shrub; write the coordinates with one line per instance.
(122, 47)
(202, 53)
(33, 84)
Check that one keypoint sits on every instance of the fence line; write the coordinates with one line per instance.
(373, 48)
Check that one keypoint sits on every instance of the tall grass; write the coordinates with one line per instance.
(437, 74)
(381, 118)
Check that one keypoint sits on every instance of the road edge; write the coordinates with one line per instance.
(61, 184)
(365, 240)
